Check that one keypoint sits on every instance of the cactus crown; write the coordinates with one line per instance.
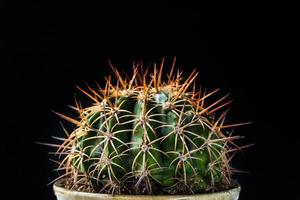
(143, 135)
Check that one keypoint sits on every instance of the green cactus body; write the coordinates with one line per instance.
(140, 136)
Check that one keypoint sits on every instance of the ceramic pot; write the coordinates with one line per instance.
(65, 194)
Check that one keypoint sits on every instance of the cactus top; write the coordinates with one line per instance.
(143, 135)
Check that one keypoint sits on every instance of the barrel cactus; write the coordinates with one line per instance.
(143, 135)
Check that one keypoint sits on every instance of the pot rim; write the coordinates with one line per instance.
(58, 188)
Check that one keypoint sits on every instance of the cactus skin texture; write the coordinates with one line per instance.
(143, 135)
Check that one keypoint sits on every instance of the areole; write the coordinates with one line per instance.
(65, 194)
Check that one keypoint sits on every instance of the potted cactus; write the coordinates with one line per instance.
(147, 138)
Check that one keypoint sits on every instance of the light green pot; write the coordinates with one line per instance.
(65, 194)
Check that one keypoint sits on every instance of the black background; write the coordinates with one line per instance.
(247, 50)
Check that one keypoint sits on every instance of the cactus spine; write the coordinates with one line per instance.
(143, 133)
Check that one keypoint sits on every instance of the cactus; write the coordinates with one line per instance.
(143, 135)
